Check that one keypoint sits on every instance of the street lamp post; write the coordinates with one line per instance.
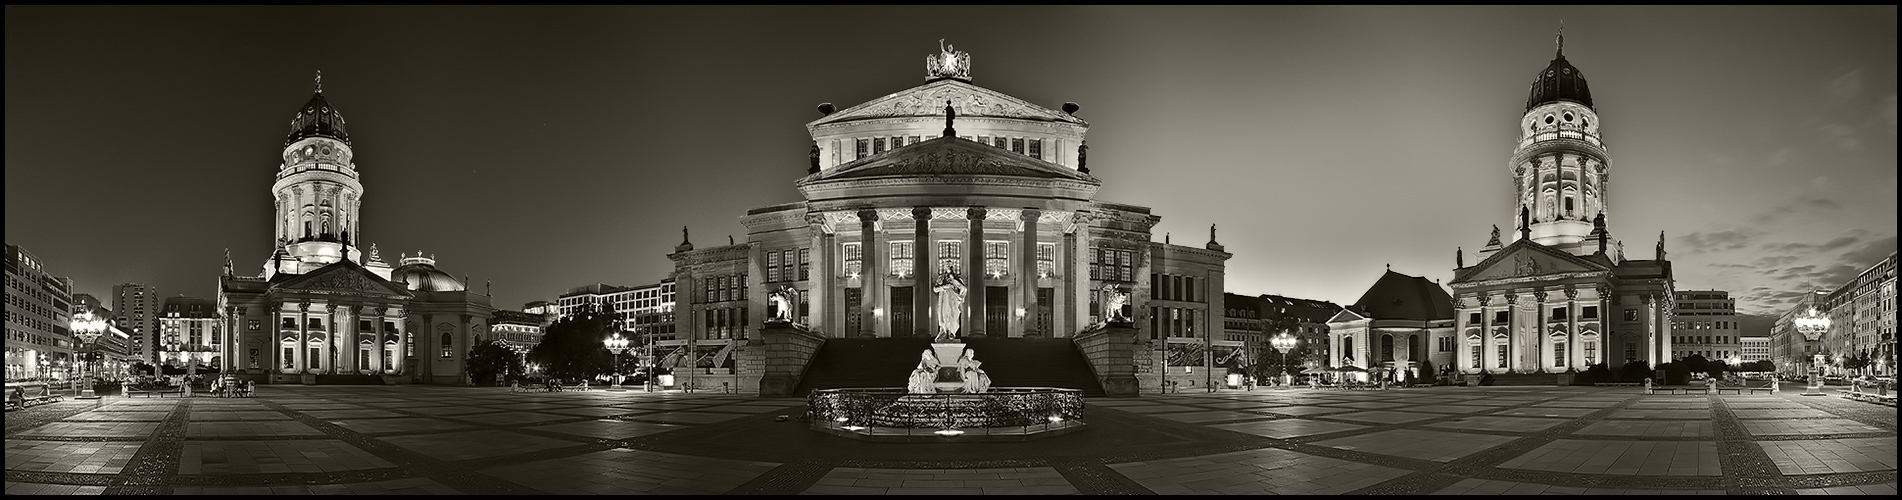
(618, 346)
(88, 327)
(1283, 343)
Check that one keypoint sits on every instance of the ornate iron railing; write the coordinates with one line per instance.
(895, 408)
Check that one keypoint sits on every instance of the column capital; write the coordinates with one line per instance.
(1571, 292)
(1539, 294)
(303, 306)
(1030, 215)
(921, 213)
(976, 213)
(867, 216)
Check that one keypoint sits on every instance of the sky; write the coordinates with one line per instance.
(538, 149)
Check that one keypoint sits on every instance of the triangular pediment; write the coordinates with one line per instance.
(343, 277)
(950, 156)
(1345, 315)
(929, 100)
(1525, 258)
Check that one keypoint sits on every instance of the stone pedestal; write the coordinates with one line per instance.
(1111, 351)
(788, 349)
(1472, 379)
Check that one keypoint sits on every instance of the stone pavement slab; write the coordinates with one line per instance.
(1418, 444)
(1667, 458)
(70, 457)
(469, 445)
(627, 471)
(219, 458)
(1289, 428)
(1825, 456)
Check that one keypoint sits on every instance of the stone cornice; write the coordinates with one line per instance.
(1530, 279)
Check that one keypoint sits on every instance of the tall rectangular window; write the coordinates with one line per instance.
(805, 264)
(1478, 359)
(878, 145)
(1017, 145)
(996, 258)
(1558, 354)
(1036, 148)
(864, 148)
(911, 140)
(901, 259)
(1155, 324)
(950, 256)
(772, 266)
(1502, 356)
(999, 142)
(1046, 259)
(713, 289)
(1126, 263)
(852, 263)
(1096, 263)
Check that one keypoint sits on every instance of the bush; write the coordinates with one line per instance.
(1593, 374)
(1635, 371)
(1676, 373)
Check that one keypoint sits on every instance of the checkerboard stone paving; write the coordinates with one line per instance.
(456, 440)
(1267, 471)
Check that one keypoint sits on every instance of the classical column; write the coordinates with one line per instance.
(1604, 323)
(1026, 270)
(921, 273)
(425, 348)
(302, 351)
(1065, 319)
(821, 287)
(870, 278)
(354, 341)
(377, 348)
(1542, 358)
(271, 362)
(1571, 329)
(974, 268)
(1513, 333)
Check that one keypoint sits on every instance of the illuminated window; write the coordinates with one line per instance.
(901, 259)
(1558, 354)
(1046, 259)
(950, 256)
(852, 262)
(1502, 356)
(996, 258)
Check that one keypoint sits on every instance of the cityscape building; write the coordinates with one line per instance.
(39, 310)
(1861, 336)
(1793, 339)
(1398, 323)
(190, 335)
(136, 307)
(1706, 325)
(1754, 347)
(323, 305)
(953, 209)
(1255, 320)
(1559, 293)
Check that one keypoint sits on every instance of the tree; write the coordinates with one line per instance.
(1426, 371)
(572, 348)
(488, 359)
(1763, 365)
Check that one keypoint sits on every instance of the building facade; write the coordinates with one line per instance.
(516, 330)
(1793, 339)
(323, 305)
(949, 207)
(1754, 348)
(1560, 294)
(39, 312)
(1255, 320)
(1862, 322)
(1399, 324)
(136, 307)
(1706, 325)
(190, 334)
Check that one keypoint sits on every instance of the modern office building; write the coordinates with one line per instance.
(39, 314)
(136, 307)
(1706, 325)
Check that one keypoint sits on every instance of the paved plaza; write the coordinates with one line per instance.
(456, 440)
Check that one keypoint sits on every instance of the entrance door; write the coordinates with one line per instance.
(852, 312)
(996, 311)
(901, 311)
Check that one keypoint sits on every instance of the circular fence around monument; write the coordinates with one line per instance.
(1020, 411)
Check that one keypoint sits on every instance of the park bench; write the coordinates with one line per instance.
(1738, 390)
(1769, 388)
(583, 386)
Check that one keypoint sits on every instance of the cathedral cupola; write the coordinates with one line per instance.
(317, 119)
(1560, 81)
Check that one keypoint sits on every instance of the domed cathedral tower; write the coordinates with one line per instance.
(954, 212)
(324, 311)
(1559, 294)
(317, 192)
(1560, 166)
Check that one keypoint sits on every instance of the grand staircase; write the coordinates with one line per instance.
(1010, 362)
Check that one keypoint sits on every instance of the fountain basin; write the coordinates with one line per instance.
(1001, 414)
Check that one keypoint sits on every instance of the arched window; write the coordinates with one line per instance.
(1347, 347)
(1386, 348)
(448, 345)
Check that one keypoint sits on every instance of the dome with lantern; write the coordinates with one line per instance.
(419, 273)
(317, 119)
(1559, 81)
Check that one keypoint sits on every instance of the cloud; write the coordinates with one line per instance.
(1777, 159)
(1799, 204)
(1720, 240)
(1843, 136)
(1847, 239)
(1843, 89)
(1885, 110)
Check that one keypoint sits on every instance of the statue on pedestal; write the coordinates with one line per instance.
(1113, 301)
(924, 376)
(782, 301)
(975, 381)
(950, 290)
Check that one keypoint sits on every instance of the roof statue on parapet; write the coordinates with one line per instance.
(948, 63)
